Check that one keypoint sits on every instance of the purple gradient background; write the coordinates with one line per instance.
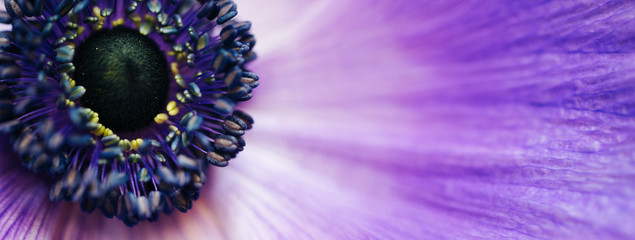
(409, 120)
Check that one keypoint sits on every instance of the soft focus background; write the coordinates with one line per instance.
(410, 120)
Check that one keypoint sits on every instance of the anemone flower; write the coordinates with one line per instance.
(400, 120)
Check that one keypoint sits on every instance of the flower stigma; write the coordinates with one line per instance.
(125, 103)
(125, 75)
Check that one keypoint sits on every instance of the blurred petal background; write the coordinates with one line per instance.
(409, 120)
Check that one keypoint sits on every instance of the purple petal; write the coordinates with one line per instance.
(21, 208)
(451, 120)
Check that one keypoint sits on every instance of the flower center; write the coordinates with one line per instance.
(125, 75)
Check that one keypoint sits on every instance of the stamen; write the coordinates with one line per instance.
(88, 96)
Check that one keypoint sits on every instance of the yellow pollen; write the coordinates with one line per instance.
(125, 144)
(118, 22)
(80, 30)
(161, 118)
(99, 24)
(202, 42)
(69, 103)
(172, 109)
(108, 132)
(175, 68)
(136, 19)
(100, 130)
(97, 12)
(135, 144)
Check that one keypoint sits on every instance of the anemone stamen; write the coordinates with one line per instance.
(120, 100)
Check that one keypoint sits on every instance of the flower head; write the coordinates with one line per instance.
(413, 119)
(125, 103)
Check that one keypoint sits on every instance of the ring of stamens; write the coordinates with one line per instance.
(146, 26)
(129, 177)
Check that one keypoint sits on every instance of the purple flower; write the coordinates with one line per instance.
(409, 120)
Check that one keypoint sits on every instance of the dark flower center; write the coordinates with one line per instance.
(125, 75)
(166, 74)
